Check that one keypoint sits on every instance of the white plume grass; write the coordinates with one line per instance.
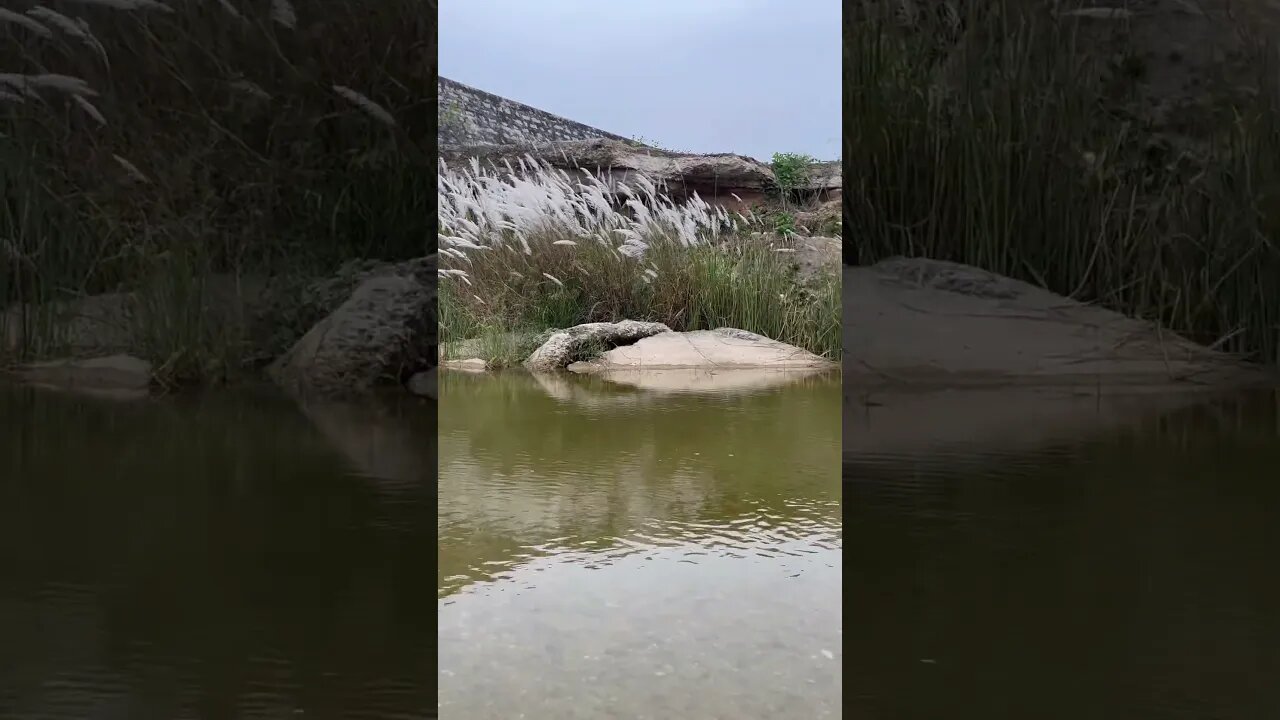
(132, 169)
(89, 109)
(23, 21)
(282, 13)
(231, 9)
(129, 5)
(370, 107)
(28, 84)
(74, 27)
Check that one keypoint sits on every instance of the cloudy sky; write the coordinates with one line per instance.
(752, 77)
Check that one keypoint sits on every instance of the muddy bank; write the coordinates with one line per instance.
(930, 323)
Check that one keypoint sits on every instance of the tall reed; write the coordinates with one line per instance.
(208, 138)
(1016, 150)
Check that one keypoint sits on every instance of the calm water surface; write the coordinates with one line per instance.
(229, 557)
(614, 552)
(1040, 560)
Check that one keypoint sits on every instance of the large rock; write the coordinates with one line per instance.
(710, 381)
(471, 365)
(384, 333)
(567, 346)
(914, 322)
(423, 384)
(93, 325)
(719, 349)
(116, 323)
(118, 376)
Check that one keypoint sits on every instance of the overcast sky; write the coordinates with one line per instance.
(752, 77)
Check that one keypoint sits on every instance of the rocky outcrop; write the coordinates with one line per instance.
(115, 323)
(93, 325)
(384, 333)
(926, 322)
(580, 341)
(712, 381)
(719, 349)
(825, 219)
(715, 177)
(471, 365)
(115, 376)
(815, 257)
(423, 384)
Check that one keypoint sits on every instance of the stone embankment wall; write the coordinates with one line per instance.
(474, 117)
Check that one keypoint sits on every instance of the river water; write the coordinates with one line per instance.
(638, 550)
(223, 557)
(1022, 556)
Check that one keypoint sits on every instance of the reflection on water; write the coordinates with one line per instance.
(1121, 572)
(220, 557)
(608, 551)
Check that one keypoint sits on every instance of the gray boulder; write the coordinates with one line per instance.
(382, 334)
(423, 384)
(117, 377)
(719, 349)
(110, 372)
(576, 343)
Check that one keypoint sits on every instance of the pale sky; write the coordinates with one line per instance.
(751, 77)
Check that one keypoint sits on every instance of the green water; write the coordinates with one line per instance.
(1119, 565)
(612, 552)
(220, 557)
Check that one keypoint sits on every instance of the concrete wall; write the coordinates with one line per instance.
(474, 117)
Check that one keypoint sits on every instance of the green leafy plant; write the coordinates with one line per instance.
(784, 223)
(450, 117)
(791, 171)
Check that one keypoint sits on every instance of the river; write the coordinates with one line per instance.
(227, 556)
(639, 550)
(1021, 556)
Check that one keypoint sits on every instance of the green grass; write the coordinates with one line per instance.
(739, 284)
(226, 151)
(1023, 156)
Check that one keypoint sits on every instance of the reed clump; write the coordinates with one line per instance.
(534, 248)
(1007, 146)
(147, 146)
